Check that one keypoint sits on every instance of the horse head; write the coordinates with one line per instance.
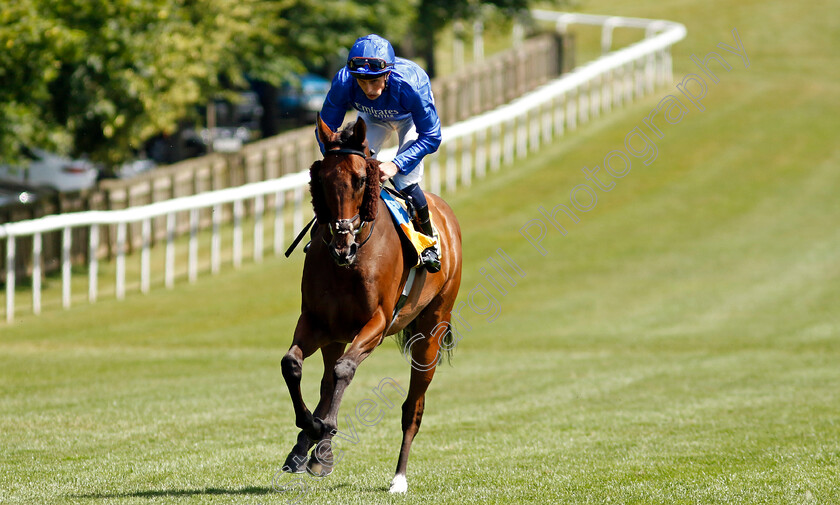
(345, 189)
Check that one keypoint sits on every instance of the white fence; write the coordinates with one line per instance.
(468, 149)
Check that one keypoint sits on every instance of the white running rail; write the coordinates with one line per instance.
(490, 139)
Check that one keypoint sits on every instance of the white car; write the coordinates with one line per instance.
(52, 171)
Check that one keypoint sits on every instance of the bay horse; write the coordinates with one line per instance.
(353, 276)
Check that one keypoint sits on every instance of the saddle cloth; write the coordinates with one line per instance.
(401, 218)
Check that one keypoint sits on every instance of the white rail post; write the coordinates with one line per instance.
(121, 249)
(571, 110)
(216, 241)
(435, 176)
(36, 273)
(522, 135)
(640, 78)
(606, 92)
(652, 59)
(607, 35)
(495, 147)
(297, 218)
(238, 208)
(466, 160)
(93, 263)
(650, 73)
(10, 278)
(559, 104)
(169, 268)
(583, 103)
(192, 255)
(508, 141)
(629, 72)
(481, 153)
(279, 222)
(451, 174)
(595, 97)
(534, 129)
(259, 208)
(547, 132)
(145, 255)
(617, 88)
(66, 242)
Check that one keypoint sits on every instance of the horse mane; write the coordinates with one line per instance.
(367, 211)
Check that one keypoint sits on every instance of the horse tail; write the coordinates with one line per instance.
(405, 337)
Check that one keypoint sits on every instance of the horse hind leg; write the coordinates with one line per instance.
(425, 351)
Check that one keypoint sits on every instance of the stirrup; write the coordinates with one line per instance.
(430, 259)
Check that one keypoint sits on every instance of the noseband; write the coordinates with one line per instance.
(345, 226)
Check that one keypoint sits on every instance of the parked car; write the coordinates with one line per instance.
(44, 169)
(237, 123)
(303, 98)
(129, 169)
(15, 193)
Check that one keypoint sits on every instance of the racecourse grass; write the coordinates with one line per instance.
(680, 345)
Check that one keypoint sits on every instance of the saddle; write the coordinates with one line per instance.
(402, 212)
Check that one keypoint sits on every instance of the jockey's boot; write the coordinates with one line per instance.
(311, 236)
(430, 257)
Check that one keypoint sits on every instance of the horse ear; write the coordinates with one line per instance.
(370, 202)
(360, 130)
(319, 203)
(324, 132)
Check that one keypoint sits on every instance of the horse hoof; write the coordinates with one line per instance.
(399, 484)
(317, 468)
(295, 463)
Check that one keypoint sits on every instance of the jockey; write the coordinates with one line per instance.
(392, 95)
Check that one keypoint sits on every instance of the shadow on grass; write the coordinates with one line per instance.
(182, 492)
(210, 491)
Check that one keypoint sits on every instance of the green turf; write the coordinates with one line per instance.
(679, 345)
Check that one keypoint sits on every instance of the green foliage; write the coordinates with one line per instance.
(101, 76)
(433, 16)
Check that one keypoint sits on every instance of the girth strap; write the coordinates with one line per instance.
(402, 299)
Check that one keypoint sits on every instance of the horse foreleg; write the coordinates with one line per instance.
(425, 353)
(296, 461)
(303, 345)
(321, 460)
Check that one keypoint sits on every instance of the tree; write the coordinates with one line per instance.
(433, 16)
(102, 76)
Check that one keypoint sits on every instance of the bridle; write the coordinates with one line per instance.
(345, 226)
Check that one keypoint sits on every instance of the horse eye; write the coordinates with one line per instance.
(360, 182)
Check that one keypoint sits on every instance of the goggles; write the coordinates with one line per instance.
(374, 64)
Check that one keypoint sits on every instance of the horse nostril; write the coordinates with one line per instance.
(353, 248)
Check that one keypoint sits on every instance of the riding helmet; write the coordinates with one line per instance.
(371, 47)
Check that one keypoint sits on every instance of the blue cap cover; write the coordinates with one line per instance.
(372, 46)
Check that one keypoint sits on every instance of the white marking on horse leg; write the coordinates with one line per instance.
(399, 484)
